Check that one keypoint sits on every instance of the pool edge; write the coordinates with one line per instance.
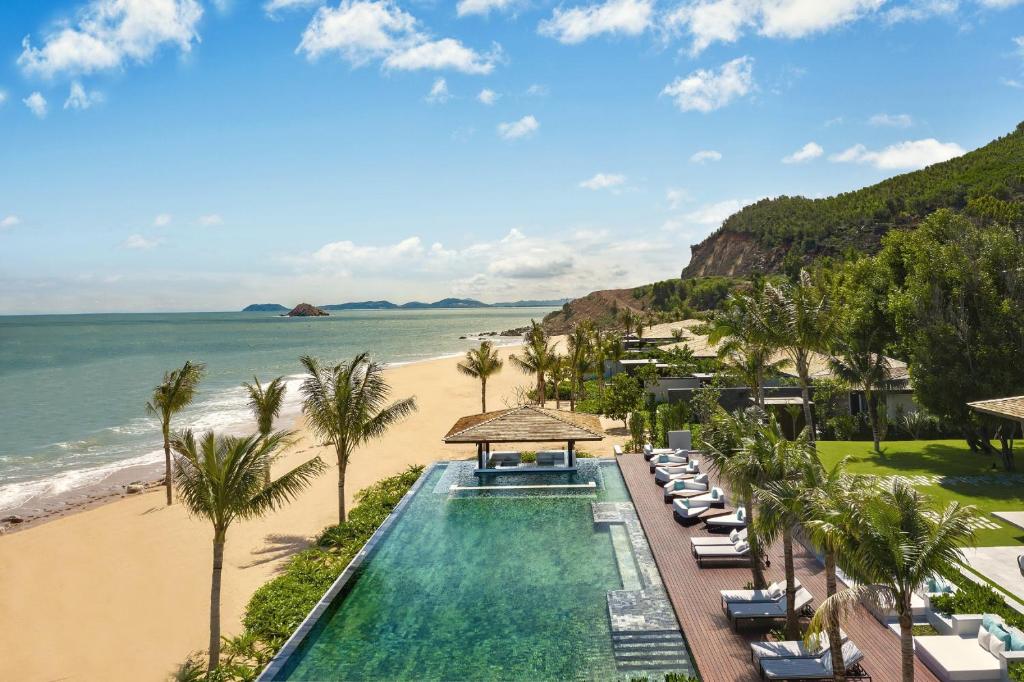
(277, 664)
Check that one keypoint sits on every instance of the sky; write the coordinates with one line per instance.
(184, 155)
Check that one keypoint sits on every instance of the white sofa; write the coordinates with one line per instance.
(972, 654)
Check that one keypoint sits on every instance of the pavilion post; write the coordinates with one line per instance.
(571, 454)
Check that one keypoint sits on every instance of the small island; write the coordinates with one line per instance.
(265, 308)
(307, 310)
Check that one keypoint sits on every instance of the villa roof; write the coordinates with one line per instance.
(1007, 408)
(525, 424)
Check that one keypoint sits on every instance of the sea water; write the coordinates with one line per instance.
(73, 388)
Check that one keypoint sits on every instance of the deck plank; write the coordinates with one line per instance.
(721, 654)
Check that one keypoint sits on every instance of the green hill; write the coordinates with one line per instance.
(769, 235)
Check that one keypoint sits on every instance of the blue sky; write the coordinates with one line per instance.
(201, 155)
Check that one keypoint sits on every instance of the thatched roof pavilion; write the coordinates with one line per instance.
(525, 424)
(1007, 408)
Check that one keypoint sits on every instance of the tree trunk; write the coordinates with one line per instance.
(873, 418)
(218, 566)
(483, 395)
(792, 617)
(907, 640)
(1006, 450)
(341, 489)
(756, 569)
(805, 393)
(834, 636)
(168, 465)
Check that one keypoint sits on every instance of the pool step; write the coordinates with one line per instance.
(651, 650)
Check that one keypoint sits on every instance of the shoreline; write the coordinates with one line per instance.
(133, 480)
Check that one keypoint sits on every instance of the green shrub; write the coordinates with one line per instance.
(974, 598)
(1016, 671)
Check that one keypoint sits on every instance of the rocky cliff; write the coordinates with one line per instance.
(307, 310)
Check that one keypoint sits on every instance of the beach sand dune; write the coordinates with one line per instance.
(121, 591)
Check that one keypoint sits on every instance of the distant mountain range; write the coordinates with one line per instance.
(447, 303)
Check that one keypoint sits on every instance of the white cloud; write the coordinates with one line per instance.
(36, 103)
(891, 120)
(705, 155)
(919, 10)
(488, 96)
(3, 97)
(999, 4)
(79, 98)
(1019, 42)
(107, 34)
(10, 221)
(439, 92)
(137, 242)
(365, 30)
(603, 181)
(712, 215)
(483, 7)
(211, 220)
(711, 21)
(676, 197)
(348, 254)
(912, 154)
(446, 53)
(524, 127)
(271, 7)
(537, 90)
(575, 25)
(162, 220)
(811, 150)
(705, 90)
(1012, 83)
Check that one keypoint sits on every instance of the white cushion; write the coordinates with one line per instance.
(775, 592)
(996, 647)
(957, 659)
(984, 638)
(742, 546)
(734, 536)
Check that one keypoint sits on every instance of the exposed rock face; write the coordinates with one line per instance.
(602, 307)
(307, 310)
(730, 254)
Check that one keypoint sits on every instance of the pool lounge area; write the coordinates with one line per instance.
(531, 576)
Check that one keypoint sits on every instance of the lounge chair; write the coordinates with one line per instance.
(730, 554)
(506, 458)
(551, 458)
(793, 649)
(737, 519)
(617, 450)
(718, 540)
(713, 498)
(820, 668)
(982, 648)
(766, 612)
(684, 510)
(663, 475)
(773, 592)
(685, 487)
(650, 451)
(670, 460)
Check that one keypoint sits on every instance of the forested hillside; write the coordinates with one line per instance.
(775, 234)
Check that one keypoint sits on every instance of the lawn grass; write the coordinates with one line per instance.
(943, 458)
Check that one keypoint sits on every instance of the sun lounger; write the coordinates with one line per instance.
(718, 540)
(773, 592)
(795, 649)
(735, 520)
(765, 612)
(713, 498)
(738, 554)
(650, 451)
(664, 474)
(505, 458)
(551, 458)
(617, 450)
(819, 668)
(684, 487)
(670, 460)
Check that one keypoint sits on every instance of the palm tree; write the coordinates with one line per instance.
(265, 402)
(868, 371)
(611, 349)
(778, 500)
(734, 450)
(221, 479)
(346, 405)
(630, 320)
(481, 363)
(558, 373)
(895, 541)
(579, 359)
(744, 341)
(802, 322)
(170, 397)
(537, 358)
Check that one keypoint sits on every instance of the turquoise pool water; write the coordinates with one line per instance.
(478, 585)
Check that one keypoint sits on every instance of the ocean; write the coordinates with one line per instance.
(73, 388)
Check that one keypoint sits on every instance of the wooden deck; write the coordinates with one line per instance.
(721, 654)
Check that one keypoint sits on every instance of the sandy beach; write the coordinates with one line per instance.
(120, 591)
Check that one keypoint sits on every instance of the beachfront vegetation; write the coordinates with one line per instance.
(346, 405)
(537, 358)
(482, 363)
(223, 479)
(265, 403)
(170, 397)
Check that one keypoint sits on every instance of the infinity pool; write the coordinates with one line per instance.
(497, 585)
